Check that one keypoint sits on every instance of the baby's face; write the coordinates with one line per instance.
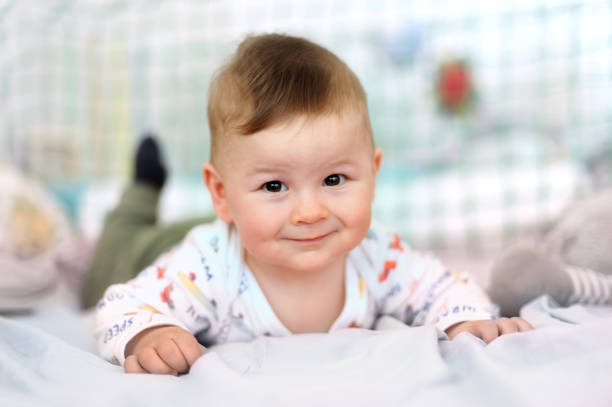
(300, 193)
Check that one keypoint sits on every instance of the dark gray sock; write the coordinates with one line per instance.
(149, 166)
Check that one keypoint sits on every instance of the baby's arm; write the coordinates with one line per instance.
(147, 324)
(426, 292)
(125, 312)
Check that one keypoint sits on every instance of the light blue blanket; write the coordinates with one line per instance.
(565, 361)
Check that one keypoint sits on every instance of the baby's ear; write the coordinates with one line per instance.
(377, 159)
(217, 191)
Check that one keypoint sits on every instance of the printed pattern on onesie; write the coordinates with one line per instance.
(416, 288)
(203, 286)
(188, 286)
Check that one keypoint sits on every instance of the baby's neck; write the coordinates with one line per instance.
(304, 302)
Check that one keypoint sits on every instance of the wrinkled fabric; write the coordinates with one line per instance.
(565, 361)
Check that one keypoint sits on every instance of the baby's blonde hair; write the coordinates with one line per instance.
(273, 77)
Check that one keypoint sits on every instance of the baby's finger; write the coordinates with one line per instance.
(191, 348)
(488, 331)
(506, 326)
(170, 353)
(131, 365)
(522, 324)
(152, 363)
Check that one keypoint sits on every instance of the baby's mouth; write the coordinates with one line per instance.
(310, 239)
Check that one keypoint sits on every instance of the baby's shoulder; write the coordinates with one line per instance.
(210, 237)
(209, 253)
(382, 241)
(379, 246)
(383, 256)
(204, 246)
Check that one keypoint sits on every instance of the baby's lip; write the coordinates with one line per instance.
(313, 239)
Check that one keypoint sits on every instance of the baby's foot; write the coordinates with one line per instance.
(149, 166)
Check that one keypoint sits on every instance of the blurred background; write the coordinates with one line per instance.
(493, 115)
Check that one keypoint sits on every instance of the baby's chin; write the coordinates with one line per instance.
(308, 263)
(304, 262)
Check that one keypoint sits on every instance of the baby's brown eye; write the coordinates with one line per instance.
(274, 186)
(333, 180)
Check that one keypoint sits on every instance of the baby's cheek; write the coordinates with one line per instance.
(258, 227)
(358, 206)
(356, 215)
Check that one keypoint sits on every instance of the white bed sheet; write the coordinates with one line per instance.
(48, 359)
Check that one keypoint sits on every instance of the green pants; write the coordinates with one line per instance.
(130, 241)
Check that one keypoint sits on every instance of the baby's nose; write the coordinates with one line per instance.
(308, 210)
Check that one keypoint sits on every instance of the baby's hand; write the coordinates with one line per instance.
(162, 350)
(487, 330)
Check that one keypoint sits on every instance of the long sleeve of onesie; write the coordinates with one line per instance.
(416, 288)
(180, 289)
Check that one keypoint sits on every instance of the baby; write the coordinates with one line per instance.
(291, 176)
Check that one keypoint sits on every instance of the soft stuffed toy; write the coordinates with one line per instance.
(572, 263)
(38, 247)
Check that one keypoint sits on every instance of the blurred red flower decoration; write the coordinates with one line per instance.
(454, 87)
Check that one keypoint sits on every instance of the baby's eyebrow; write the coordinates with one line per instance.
(344, 161)
(283, 166)
(264, 169)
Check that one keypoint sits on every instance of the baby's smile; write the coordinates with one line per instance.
(311, 240)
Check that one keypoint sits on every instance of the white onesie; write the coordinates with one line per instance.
(204, 286)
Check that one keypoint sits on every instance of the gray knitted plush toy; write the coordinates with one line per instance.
(572, 263)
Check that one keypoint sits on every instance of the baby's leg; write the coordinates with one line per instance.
(135, 215)
(131, 241)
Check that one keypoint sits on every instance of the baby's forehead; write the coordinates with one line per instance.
(293, 144)
(317, 136)
(324, 135)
